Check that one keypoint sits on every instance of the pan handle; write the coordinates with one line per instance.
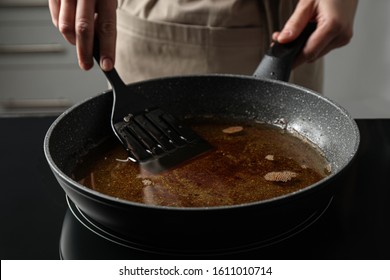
(277, 62)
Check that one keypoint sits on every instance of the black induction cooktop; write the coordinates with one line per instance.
(39, 222)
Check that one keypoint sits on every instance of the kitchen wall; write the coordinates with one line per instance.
(38, 68)
(358, 75)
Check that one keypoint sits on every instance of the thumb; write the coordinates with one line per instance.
(301, 16)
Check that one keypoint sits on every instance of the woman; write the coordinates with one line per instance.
(152, 38)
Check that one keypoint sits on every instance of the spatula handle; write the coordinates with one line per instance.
(112, 75)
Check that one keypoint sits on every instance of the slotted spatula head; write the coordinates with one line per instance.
(153, 138)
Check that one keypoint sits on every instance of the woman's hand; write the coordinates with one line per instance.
(334, 26)
(79, 21)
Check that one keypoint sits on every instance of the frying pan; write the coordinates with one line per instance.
(215, 230)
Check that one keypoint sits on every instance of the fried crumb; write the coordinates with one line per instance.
(233, 129)
(147, 182)
(328, 168)
(280, 176)
(270, 157)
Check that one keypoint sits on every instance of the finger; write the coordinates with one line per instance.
(302, 14)
(337, 42)
(54, 8)
(330, 34)
(106, 31)
(84, 27)
(316, 44)
(66, 20)
(275, 36)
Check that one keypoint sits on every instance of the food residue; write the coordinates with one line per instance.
(270, 157)
(280, 176)
(147, 182)
(233, 129)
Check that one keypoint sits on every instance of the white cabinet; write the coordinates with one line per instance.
(38, 68)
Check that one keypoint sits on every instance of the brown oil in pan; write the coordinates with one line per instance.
(251, 162)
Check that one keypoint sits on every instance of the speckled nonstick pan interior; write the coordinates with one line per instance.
(219, 229)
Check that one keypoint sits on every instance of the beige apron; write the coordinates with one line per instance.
(159, 38)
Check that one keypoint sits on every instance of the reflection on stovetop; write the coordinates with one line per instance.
(356, 224)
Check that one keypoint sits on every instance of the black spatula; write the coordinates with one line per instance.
(153, 138)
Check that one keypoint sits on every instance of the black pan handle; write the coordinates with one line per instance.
(277, 62)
